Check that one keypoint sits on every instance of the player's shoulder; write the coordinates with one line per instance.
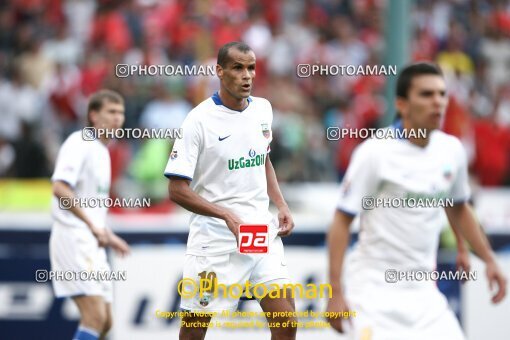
(75, 139)
(203, 106)
(261, 102)
(444, 140)
(370, 147)
(199, 112)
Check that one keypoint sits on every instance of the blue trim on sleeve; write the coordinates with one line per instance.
(351, 214)
(462, 201)
(70, 296)
(217, 100)
(170, 174)
(63, 180)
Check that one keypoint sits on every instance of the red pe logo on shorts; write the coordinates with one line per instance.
(253, 238)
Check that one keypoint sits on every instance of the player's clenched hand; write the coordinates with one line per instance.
(101, 235)
(285, 220)
(118, 245)
(233, 223)
(495, 276)
(336, 305)
(462, 262)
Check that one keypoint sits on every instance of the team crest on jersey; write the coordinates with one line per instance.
(265, 130)
(447, 173)
(205, 299)
(173, 155)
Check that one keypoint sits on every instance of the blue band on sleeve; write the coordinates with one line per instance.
(169, 175)
(351, 214)
(462, 201)
(64, 181)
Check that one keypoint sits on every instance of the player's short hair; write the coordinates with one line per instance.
(406, 76)
(97, 100)
(224, 57)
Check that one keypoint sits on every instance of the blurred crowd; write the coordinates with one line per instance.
(55, 53)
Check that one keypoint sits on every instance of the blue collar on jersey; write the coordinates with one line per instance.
(397, 125)
(217, 100)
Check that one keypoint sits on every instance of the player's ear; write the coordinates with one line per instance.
(93, 117)
(219, 71)
(401, 106)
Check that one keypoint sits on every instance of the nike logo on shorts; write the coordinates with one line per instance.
(220, 138)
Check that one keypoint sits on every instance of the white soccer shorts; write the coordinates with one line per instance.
(401, 314)
(232, 269)
(76, 250)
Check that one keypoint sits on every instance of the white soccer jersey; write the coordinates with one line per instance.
(402, 238)
(223, 152)
(85, 166)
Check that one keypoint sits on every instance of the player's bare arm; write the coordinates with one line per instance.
(338, 241)
(462, 216)
(286, 223)
(117, 244)
(462, 261)
(181, 193)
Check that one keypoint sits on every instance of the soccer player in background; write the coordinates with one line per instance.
(404, 238)
(220, 171)
(79, 234)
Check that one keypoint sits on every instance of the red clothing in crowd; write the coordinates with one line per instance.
(492, 161)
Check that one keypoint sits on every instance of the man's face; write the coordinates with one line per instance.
(238, 74)
(110, 116)
(426, 102)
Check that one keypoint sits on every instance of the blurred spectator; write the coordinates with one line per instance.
(64, 95)
(492, 160)
(7, 155)
(54, 54)
(63, 49)
(30, 160)
(19, 103)
(34, 66)
(165, 111)
(495, 48)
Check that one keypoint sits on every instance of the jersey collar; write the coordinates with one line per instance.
(398, 126)
(217, 100)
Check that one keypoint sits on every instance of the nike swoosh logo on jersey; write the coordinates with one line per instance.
(220, 139)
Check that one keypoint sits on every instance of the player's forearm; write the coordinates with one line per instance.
(463, 218)
(273, 189)
(461, 244)
(182, 194)
(338, 240)
(61, 189)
